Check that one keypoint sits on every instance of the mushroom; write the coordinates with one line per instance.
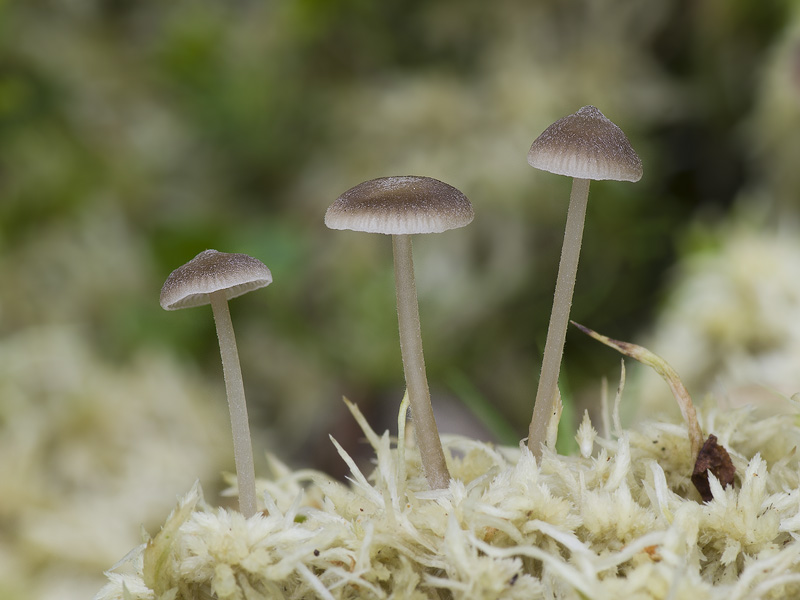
(400, 207)
(213, 278)
(584, 145)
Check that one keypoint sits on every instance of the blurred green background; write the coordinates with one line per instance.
(136, 133)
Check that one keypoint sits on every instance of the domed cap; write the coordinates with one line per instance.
(400, 205)
(212, 271)
(586, 145)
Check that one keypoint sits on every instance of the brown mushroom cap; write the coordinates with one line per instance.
(212, 271)
(400, 205)
(586, 145)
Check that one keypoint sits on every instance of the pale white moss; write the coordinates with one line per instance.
(729, 321)
(90, 450)
(619, 521)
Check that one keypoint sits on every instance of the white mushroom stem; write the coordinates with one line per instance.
(559, 316)
(428, 442)
(242, 446)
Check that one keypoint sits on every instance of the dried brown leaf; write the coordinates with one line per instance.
(714, 458)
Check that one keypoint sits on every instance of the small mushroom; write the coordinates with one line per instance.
(400, 207)
(584, 145)
(213, 278)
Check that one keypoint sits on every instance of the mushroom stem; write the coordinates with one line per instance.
(559, 316)
(430, 446)
(242, 447)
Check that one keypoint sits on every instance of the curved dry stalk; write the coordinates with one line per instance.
(660, 366)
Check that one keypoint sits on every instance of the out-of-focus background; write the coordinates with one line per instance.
(136, 133)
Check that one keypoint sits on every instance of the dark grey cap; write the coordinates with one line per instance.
(212, 271)
(586, 145)
(400, 205)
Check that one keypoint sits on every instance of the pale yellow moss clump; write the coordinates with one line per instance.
(619, 521)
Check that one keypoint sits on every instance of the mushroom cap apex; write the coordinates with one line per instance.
(586, 145)
(212, 271)
(400, 205)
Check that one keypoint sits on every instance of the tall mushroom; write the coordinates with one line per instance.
(400, 207)
(213, 278)
(584, 145)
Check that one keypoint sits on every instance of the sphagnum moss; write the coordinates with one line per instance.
(620, 520)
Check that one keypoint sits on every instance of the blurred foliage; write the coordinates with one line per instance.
(134, 134)
(90, 453)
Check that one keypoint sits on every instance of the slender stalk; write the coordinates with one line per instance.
(559, 317)
(242, 446)
(430, 446)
